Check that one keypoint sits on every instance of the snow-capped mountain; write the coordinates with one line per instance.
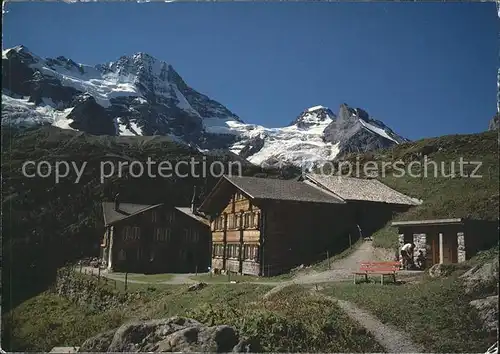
(141, 95)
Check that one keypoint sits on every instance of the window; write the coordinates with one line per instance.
(250, 220)
(170, 217)
(186, 234)
(136, 233)
(182, 254)
(251, 252)
(232, 222)
(131, 233)
(219, 223)
(154, 216)
(246, 220)
(239, 196)
(162, 235)
(218, 250)
(256, 220)
(126, 233)
(233, 251)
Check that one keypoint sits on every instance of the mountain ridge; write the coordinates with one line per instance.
(141, 95)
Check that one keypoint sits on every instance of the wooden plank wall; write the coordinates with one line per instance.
(230, 229)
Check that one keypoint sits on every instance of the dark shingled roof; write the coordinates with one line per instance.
(124, 211)
(189, 213)
(351, 188)
(278, 189)
(129, 209)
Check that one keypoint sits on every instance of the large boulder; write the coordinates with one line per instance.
(488, 312)
(481, 278)
(175, 334)
(444, 270)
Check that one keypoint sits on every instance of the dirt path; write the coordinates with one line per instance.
(393, 340)
(340, 270)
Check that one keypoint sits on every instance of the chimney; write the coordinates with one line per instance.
(117, 201)
(192, 200)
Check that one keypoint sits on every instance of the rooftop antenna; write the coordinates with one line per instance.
(193, 200)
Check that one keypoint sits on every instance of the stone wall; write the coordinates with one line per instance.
(420, 241)
(461, 256)
(401, 241)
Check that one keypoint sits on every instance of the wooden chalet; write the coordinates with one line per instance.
(154, 239)
(266, 226)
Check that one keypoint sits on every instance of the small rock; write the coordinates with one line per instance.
(249, 345)
(197, 286)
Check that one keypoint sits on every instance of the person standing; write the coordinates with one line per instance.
(407, 254)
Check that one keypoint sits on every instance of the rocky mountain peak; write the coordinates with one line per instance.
(141, 95)
(20, 53)
(314, 116)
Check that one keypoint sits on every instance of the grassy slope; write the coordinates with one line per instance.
(446, 197)
(434, 312)
(289, 321)
(63, 221)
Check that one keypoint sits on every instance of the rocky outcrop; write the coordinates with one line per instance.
(252, 146)
(444, 270)
(175, 334)
(481, 279)
(494, 122)
(487, 309)
(20, 79)
(91, 117)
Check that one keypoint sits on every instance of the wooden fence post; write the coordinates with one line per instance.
(98, 274)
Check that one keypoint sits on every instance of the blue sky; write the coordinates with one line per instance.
(425, 69)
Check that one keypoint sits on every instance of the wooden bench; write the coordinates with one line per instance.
(382, 268)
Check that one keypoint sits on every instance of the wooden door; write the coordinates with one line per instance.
(432, 250)
(450, 245)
